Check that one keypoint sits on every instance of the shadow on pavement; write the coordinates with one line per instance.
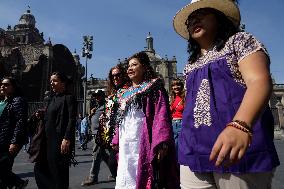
(24, 175)
(83, 155)
(88, 161)
(106, 181)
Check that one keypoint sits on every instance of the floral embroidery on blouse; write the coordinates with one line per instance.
(201, 111)
(237, 47)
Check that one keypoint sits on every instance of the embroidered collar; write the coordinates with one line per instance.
(133, 97)
(132, 91)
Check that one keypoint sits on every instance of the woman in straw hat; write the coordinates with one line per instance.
(226, 139)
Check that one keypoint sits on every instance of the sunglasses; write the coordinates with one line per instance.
(196, 15)
(5, 84)
(116, 75)
(176, 88)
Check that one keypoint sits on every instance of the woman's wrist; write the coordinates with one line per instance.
(242, 126)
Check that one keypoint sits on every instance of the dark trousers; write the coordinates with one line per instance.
(85, 140)
(52, 174)
(7, 177)
(52, 171)
(112, 162)
(42, 175)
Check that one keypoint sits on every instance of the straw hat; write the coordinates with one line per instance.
(228, 7)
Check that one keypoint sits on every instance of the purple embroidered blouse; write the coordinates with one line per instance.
(215, 89)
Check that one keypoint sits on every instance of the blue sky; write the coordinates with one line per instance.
(120, 27)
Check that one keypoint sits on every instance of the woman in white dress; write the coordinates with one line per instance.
(144, 132)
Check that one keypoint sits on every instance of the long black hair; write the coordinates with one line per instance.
(225, 30)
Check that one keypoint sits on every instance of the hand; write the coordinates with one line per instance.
(14, 149)
(115, 147)
(65, 146)
(229, 147)
(93, 111)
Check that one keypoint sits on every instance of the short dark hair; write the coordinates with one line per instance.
(62, 77)
(14, 83)
(143, 58)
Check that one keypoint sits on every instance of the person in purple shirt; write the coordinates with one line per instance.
(226, 139)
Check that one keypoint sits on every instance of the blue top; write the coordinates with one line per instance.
(84, 125)
(3, 104)
(215, 89)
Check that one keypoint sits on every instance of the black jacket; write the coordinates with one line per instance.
(60, 118)
(13, 123)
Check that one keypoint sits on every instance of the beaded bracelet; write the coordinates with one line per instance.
(240, 127)
(243, 124)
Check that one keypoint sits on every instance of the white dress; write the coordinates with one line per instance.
(129, 140)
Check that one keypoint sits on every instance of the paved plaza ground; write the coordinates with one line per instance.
(77, 173)
(84, 158)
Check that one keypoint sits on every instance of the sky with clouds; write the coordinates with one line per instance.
(120, 27)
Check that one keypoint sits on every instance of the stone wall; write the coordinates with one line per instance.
(277, 106)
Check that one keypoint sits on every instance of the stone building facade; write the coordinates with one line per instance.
(165, 67)
(26, 56)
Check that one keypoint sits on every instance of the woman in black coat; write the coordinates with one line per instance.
(60, 122)
(13, 131)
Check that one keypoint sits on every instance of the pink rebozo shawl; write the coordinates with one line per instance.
(157, 129)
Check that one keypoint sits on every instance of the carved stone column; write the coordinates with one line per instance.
(279, 107)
